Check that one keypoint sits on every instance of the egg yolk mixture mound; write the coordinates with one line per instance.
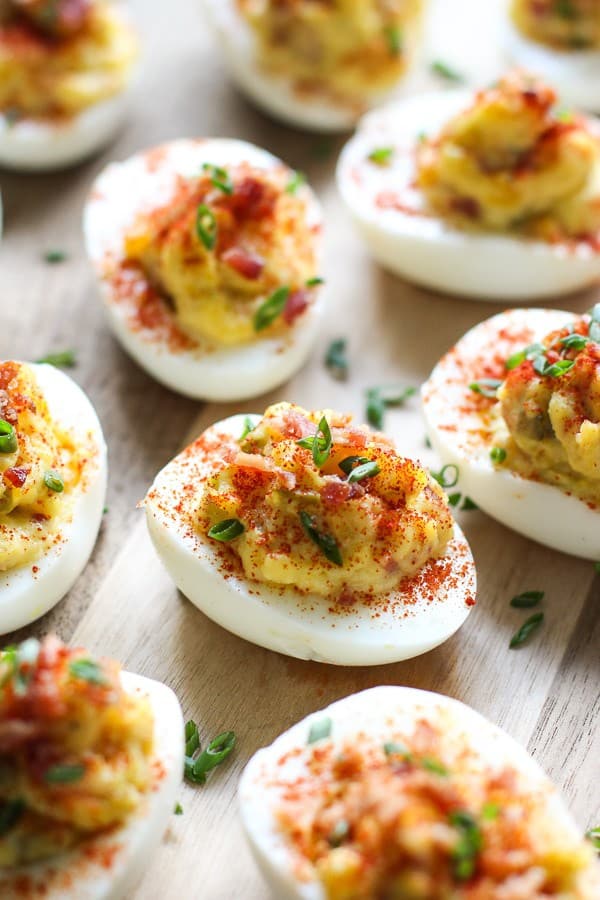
(329, 508)
(75, 749)
(511, 164)
(233, 253)
(401, 820)
(59, 57)
(548, 410)
(342, 49)
(563, 24)
(39, 469)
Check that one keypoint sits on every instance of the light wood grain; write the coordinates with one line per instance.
(545, 694)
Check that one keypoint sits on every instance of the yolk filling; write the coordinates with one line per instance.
(562, 24)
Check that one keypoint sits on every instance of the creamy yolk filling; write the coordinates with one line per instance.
(346, 49)
(39, 469)
(563, 24)
(233, 253)
(75, 749)
(309, 517)
(548, 410)
(510, 164)
(405, 819)
(59, 58)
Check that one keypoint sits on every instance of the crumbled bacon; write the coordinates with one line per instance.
(16, 476)
(246, 263)
(295, 305)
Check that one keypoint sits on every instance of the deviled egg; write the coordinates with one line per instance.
(52, 488)
(207, 255)
(91, 759)
(491, 195)
(515, 406)
(397, 792)
(65, 69)
(317, 65)
(311, 536)
(559, 41)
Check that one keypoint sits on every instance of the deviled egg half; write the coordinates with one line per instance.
(317, 65)
(311, 536)
(207, 255)
(515, 406)
(559, 41)
(52, 488)
(65, 70)
(490, 195)
(91, 760)
(396, 792)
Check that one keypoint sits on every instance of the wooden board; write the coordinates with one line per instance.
(545, 694)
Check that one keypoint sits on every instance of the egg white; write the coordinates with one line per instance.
(120, 194)
(424, 249)
(276, 95)
(83, 873)
(376, 712)
(542, 512)
(29, 591)
(286, 620)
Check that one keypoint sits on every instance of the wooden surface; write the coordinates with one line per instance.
(545, 694)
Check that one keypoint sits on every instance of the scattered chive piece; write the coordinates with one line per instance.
(64, 774)
(326, 542)
(87, 670)
(554, 370)
(434, 766)
(442, 480)
(8, 438)
(422, 137)
(521, 355)
(64, 358)
(319, 730)
(271, 309)
(454, 499)
(336, 360)
(365, 470)
(206, 226)
(347, 464)
(498, 454)
(53, 481)
(527, 628)
(575, 341)
(564, 115)
(219, 178)
(248, 427)
(10, 813)
(393, 36)
(445, 71)
(295, 182)
(593, 835)
(468, 505)
(527, 599)
(468, 846)
(488, 387)
(104, 510)
(427, 442)
(227, 530)
(381, 156)
(490, 811)
(54, 256)
(339, 833)
(379, 398)
(217, 752)
(375, 408)
(319, 443)
(395, 748)
(313, 282)
(192, 738)
(178, 809)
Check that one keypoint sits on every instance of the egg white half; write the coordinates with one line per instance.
(108, 866)
(376, 713)
(276, 95)
(391, 216)
(147, 180)
(542, 512)
(286, 620)
(29, 591)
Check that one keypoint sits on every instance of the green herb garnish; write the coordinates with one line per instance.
(326, 542)
(488, 387)
(53, 481)
(248, 427)
(468, 846)
(526, 629)
(206, 226)
(434, 766)
(271, 309)
(336, 360)
(446, 481)
(593, 835)
(575, 341)
(319, 730)
(381, 156)
(497, 455)
(380, 398)
(64, 359)
(88, 670)
(178, 809)
(527, 599)
(490, 811)
(319, 444)
(339, 833)
(314, 282)
(227, 530)
(64, 774)
(393, 36)
(199, 762)
(15, 659)
(395, 748)
(454, 499)
(365, 470)
(544, 367)
(521, 355)
(445, 71)
(8, 438)
(219, 178)
(295, 182)
(468, 505)
(54, 256)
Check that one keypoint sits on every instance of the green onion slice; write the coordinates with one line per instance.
(206, 226)
(438, 67)
(219, 178)
(64, 774)
(325, 542)
(469, 844)
(295, 183)
(526, 629)
(527, 599)
(381, 156)
(365, 470)
(8, 438)
(53, 481)
(227, 530)
(488, 387)
(320, 443)
(575, 341)
(521, 355)
(554, 370)
(88, 670)
(271, 309)
(65, 359)
(336, 360)
(319, 730)
(248, 427)
(445, 480)
(498, 454)
(393, 36)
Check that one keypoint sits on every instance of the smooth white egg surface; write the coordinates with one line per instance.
(30, 590)
(409, 621)
(108, 866)
(401, 719)
(463, 429)
(391, 216)
(198, 369)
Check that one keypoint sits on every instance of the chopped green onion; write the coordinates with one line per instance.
(497, 455)
(365, 470)
(393, 36)
(445, 71)
(441, 478)
(8, 438)
(526, 629)
(14, 658)
(527, 599)
(454, 499)
(521, 355)
(488, 387)
(53, 481)
(395, 748)
(295, 183)
(54, 256)
(336, 360)
(468, 846)
(227, 530)
(349, 462)
(381, 156)
(468, 505)
(104, 510)
(434, 766)
(88, 670)
(64, 358)
(10, 813)
(593, 835)
(325, 542)
(320, 443)
(339, 833)
(64, 774)
(192, 738)
(178, 809)
(379, 398)
(314, 282)
(217, 752)
(248, 427)
(271, 309)
(490, 811)
(206, 226)
(319, 730)
(219, 178)
(554, 370)
(575, 341)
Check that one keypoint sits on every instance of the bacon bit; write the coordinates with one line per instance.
(246, 263)
(337, 492)
(16, 476)
(466, 206)
(263, 464)
(251, 199)
(295, 305)
(391, 200)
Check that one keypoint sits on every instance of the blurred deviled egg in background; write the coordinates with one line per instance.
(560, 41)
(492, 195)
(317, 65)
(65, 70)
(207, 254)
